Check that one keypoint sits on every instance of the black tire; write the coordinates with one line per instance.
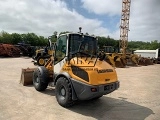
(41, 61)
(40, 78)
(63, 92)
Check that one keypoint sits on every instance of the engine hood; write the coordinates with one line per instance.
(92, 71)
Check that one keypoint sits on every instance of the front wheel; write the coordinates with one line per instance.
(40, 78)
(41, 61)
(64, 92)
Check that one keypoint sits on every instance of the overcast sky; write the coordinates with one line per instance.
(98, 17)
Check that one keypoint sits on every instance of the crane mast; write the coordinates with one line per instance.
(124, 27)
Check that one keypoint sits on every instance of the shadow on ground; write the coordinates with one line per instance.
(49, 91)
(107, 108)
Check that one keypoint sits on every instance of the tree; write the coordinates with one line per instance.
(42, 41)
(54, 36)
(30, 38)
(154, 45)
(16, 38)
(34, 40)
(6, 38)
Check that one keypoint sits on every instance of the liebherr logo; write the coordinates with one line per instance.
(104, 70)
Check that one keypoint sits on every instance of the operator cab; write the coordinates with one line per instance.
(71, 45)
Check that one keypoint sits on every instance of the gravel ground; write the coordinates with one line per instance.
(138, 97)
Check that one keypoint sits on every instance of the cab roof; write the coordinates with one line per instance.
(68, 33)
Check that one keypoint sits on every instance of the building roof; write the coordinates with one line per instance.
(145, 51)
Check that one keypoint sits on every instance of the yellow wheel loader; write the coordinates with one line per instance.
(117, 59)
(114, 58)
(42, 55)
(131, 59)
(76, 70)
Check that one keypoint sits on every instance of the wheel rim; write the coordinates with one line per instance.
(62, 92)
(37, 81)
(41, 61)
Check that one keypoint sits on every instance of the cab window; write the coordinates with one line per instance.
(61, 48)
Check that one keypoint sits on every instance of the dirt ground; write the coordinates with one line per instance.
(138, 97)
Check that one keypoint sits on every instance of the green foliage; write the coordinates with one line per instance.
(29, 38)
(53, 38)
(135, 45)
(16, 38)
(154, 45)
(42, 41)
(34, 40)
(5, 37)
(103, 41)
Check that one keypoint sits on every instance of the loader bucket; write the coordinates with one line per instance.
(124, 61)
(149, 61)
(142, 61)
(154, 60)
(108, 60)
(119, 63)
(26, 76)
(132, 60)
(115, 60)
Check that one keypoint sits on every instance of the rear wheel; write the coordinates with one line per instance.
(41, 61)
(40, 78)
(64, 92)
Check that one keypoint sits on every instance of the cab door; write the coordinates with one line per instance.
(60, 53)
